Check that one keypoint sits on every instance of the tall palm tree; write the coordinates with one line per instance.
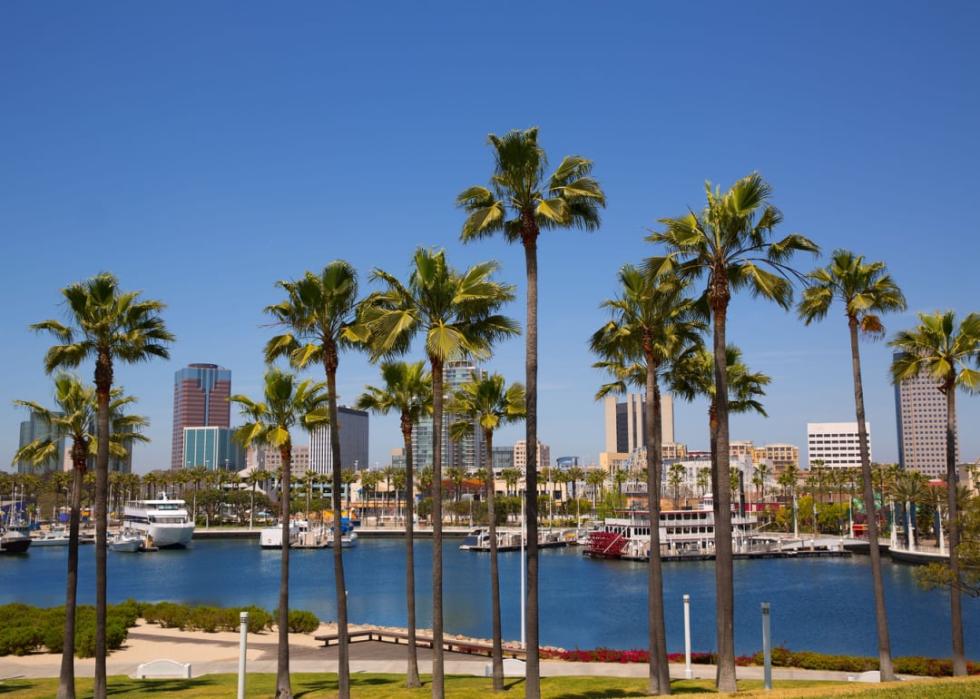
(349, 477)
(456, 313)
(944, 352)
(520, 202)
(866, 291)
(576, 474)
(254, 479)
(910, 488)
(489, 403)
(107, 325)
(595, 478)
(317, 316)
(73, 418)
(729, 242)
(653, 326)
(693, 377)
(511, 477)
(407, 390)
(287, 403)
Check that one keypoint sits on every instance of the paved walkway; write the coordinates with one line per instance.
(366, 656)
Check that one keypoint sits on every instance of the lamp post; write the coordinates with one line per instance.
(242, 652)
(688, 672)
(523, 582)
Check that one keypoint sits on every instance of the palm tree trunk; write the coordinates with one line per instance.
(955, 613)
(283, 688)
(887, 673)
(724, 574)
(412, 672)
(497, 653)
(438, 668)
(103, 385)
(66, 681)
(251, 511)
(532, 686)
(659, 673)
(343, 657)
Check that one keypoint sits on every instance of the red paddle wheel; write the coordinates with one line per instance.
(605, 545)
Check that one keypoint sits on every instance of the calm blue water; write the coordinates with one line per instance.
(818, 604)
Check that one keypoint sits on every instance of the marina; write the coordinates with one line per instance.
(820, 604)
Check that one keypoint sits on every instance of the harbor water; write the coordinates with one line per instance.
(817, 604)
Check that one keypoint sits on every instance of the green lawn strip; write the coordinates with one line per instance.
(370, 686)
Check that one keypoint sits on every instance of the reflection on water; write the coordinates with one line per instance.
(817, 604)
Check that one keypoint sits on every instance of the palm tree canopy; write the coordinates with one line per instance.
(941, 350)
(522, 199)
(730, 241)
(694, 376)
(318, 312)
(652, 315)
(407, 390)
(865, 288)
(486, 401)
(75, 418)
(288, 403)
(456, 312)
(106, 322)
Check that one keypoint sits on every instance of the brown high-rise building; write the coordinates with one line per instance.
(201, 394)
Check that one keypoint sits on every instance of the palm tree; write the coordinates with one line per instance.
(348, 477)
(937, 348)
(107, 325)
(729, 242)
(703, 480)
(317, 316)
(288, 403)
(76, 413)
(489, 403)
(519, 203)
(653, 327)
(760, 477)
(457, 315)
(595, 478)
(675, 477)
(511, 477)
(254, 478)
(407, 390)
(789, 480)
(866, 290)
(576, 474)
(456, 475)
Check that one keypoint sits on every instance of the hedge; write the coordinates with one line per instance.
(25, 629)
(781, 657)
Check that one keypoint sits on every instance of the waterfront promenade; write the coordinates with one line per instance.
(217, 653)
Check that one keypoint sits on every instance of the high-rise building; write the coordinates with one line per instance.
(543, 454)
(269, 459)
(353, 427)
(779, 456)
(920, 410)
(836, 444)
(625, 422)
(35, 429)
(503, 457)
(467, 452)
(212, 448)
(201, 394)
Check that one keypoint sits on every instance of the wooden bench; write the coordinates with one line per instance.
(352, 637)
(453, 645)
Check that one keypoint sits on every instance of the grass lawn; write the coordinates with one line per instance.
(369, 686)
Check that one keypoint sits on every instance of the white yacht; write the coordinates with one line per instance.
(163, 522)
(271, 537)
(56, 536)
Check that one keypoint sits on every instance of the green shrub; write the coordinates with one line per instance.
(20, 640)
(302, 621)
(258, 619)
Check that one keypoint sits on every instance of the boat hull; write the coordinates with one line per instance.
(49, 542)
(14, 544)
(167, 536)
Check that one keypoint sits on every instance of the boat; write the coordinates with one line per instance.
(347, 540)
(683, 534)
(271, 537)
(13, 541)
(163, 523)
(479, 540)
(56, 536)
(126, 541)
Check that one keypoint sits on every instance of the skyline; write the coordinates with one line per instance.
(270, 131)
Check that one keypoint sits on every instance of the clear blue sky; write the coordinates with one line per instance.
(202, 151)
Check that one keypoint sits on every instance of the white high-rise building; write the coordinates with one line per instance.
(467, 452)
(835, 444)
(920, 408)
(625, 422)
(353, 427)
(520, 455)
